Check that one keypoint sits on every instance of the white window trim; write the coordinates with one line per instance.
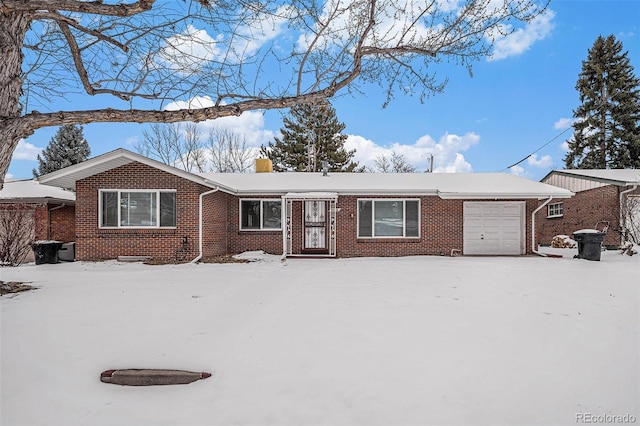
(119, 191)
(404, 218)
(262, 228)
(549, 215)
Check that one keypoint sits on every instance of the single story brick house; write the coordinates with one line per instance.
(51, 210)
(130, 205)
(601, 196)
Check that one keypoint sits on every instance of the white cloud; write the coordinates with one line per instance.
(544, 161)
(563, 123)
(8, 176)
(187, 52)
(193, 103)
(249, 124)
(522, 39)
(258, 31)
(517, 170)
(26, 151)
(447, 151)
(132, 140)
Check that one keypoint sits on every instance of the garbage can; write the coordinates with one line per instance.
(46, 251)
(589, 243)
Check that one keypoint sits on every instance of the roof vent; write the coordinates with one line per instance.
(325, 168)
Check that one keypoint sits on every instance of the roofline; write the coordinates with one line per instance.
(37, 200)
(431, 193)
(577, 175)
(505, 196)
(132, 156)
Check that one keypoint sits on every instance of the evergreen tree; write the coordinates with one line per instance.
(67, 147)
(607, 122)
(311, 136)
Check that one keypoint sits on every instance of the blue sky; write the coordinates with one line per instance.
(514, 105)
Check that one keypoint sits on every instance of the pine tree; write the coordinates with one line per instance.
(66, 148)
(310, 136)
(607, 122)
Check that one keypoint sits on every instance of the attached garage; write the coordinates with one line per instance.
(494, 228)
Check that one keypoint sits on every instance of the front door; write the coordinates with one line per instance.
(315, 227)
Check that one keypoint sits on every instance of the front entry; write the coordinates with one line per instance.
(315, 227)
(309, 224)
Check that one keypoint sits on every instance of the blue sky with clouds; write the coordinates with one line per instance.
(517, 103)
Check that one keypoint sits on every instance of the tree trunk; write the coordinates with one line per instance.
(13, 27)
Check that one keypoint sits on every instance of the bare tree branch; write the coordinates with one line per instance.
(234, 54)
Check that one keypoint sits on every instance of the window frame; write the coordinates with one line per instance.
(261, 228)
(404, 218)
(558, 210)
(119, 225)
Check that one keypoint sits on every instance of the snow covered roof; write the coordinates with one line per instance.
(621, 177)
(445, 185)
(67, 177)
(33, 191)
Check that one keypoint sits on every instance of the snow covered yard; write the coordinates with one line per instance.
(395, 341)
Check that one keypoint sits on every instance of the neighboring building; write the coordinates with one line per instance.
(130, 205)
(51, 209)
(599, 196)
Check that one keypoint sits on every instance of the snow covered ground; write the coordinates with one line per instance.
(395, 341)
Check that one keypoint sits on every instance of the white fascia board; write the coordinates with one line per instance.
(502, 196)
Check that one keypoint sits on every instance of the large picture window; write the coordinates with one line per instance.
(137, 209)
(260, 214)
(388, 218)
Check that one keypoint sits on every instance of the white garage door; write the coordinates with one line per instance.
(494, 228)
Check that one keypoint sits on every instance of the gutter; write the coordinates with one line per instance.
(533, 227)
(622, 218)
(199, 256)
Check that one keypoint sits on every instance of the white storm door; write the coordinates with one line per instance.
(315, 225)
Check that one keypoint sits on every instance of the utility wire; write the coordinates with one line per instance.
(552, 139)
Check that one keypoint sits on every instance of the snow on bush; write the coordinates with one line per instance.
(629, 248)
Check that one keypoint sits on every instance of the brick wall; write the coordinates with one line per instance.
(583, 211)
(239, 241)
(62, 224)
(93, 243)
(441, 223)
(215, 223)
(441, 230)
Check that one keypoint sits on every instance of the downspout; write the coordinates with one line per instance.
(49, 219)
(199, 256)
(533, 227)
(622, 218)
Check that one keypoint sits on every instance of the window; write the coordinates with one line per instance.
(137, 209)
(260, 214)
(388, 218)
(555, 210)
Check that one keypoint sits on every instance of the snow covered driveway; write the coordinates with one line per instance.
(394, 341)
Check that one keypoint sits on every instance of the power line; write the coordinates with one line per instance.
(547, 143)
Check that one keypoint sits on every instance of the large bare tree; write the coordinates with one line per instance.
(135, 57)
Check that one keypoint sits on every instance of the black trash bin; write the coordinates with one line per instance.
(46, 251)
(589, 243)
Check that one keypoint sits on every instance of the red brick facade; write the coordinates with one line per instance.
(51, 222)
(583, 211)
(441, 223)
(163, 244)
